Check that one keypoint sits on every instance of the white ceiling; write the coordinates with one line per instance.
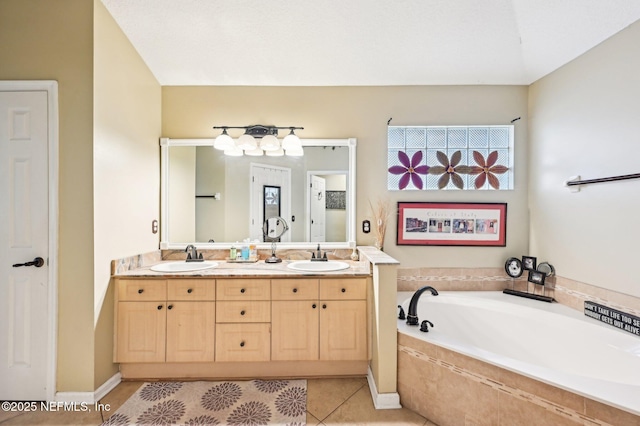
(364, 42)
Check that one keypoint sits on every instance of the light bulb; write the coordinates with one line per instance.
(270, 143)
(291, 141)
(256, 152)
(223, 141)
(234, 151)
(275, 153)
(246, 142)
(295, 152)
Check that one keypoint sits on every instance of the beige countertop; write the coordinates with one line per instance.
(259, 269)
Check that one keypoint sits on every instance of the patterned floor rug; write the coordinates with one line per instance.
(251, 403)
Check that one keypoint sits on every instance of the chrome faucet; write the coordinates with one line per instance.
(318, 256)
(412, 313)
(193, 256)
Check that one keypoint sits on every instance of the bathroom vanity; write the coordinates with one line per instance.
(234, 321)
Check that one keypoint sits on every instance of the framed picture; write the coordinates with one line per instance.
(529, 263)
(336, 200)
(452, 224)
(536, 277)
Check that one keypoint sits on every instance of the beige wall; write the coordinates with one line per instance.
(589, 103)
(126, 157)
(584, 121)
(45, 40)
(362, 112)
(54, 40)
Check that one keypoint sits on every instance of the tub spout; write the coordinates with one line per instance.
(412, 314)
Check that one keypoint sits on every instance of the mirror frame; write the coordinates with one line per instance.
(166, 143)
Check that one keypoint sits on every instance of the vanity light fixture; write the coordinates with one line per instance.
(269, 144)
(223, 141)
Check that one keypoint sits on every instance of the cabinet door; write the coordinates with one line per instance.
(294, 330)
(190, 331)
(141, 331)
(343, 330)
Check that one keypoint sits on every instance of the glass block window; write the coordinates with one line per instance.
(450, 157)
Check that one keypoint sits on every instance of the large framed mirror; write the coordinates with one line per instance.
(213, 200)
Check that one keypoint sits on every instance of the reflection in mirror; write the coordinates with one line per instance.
(273, 229)
(208, 197)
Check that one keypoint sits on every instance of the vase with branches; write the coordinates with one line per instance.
(381, 210)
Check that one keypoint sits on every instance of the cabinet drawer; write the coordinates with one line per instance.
(141, 290)
(343, 289)
(294, 289)
(243, 289)
(243, 311)
(243, 342)
(191, 289)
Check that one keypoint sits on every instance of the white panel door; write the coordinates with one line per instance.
(317, 209)
(24, 231)
(262, 175)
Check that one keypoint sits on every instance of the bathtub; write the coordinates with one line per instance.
(547, 342)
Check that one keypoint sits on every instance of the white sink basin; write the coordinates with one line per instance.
(318, 266)
(182, 266)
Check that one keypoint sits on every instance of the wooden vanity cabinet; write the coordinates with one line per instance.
(241, 327)
(165, 320)
(319, 319)
(243, 320)
(191, 313)
(140, 320)
(295, 322)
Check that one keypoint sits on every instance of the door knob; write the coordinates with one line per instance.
(37, 262)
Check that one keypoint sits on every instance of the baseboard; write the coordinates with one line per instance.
(90, 397)
(107, 386)
(382, 401)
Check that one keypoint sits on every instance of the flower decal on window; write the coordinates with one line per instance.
(450, 170)
(487, 170)
(410, 169)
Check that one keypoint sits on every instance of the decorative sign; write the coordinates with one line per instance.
(614, 317)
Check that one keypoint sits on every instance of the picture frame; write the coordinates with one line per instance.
(529, 263)
(536, 277)
(452, 224)
(336, 200)
(513, 267)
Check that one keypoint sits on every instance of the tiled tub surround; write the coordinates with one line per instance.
(452, 388)
(565, 291)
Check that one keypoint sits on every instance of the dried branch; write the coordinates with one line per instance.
(381, 210)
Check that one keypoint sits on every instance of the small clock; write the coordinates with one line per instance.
(513, 267)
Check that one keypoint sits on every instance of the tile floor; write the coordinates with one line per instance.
(329, 402)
